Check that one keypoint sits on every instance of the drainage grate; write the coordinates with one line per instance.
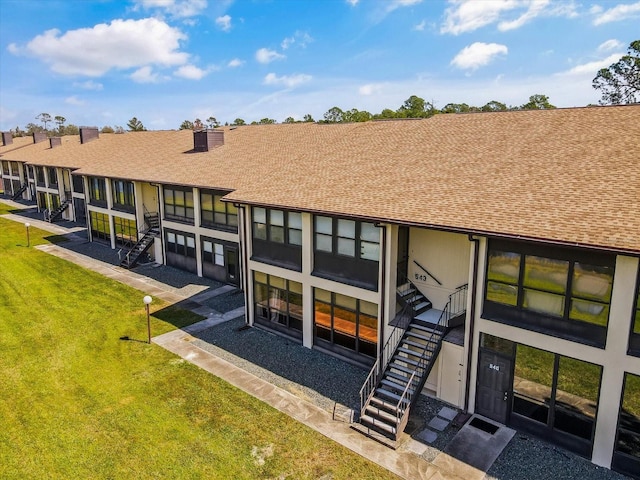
(484, 426)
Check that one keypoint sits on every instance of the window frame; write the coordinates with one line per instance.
(564, 325)
(170, 208)
(277, 242)
(211, 217)
(97, 219)
(97, 191)
(123, 195)
(634, 331)
(283, 320)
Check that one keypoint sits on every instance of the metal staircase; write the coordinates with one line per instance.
(20, 191)
(397, 378)
(52, 215)
(152, 230)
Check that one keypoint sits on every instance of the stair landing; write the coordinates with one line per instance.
(430, 316)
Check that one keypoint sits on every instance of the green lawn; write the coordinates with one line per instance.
(78, 402)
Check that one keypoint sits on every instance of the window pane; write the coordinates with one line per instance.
(277, 282)
(260, 277)
(502, 293)
(324, 225)
(220, 218)
(231, 209)
(592, 312)
(344, 321)
(322, 295)
(369, 308)
(191, 242)
(295, 237)
(206, 201)
(259, 215)
(347, 228)
(219, 205)
(504, 267)
(323, 242)
(295, 287)
(188, 199)
(260, 231)
(369, 232)
(219, 259)
(218, 249)
(346, 301)
(629, 424)
(276, 217)
(276, 234)
(543, 302)
(546, 274)
(368, 328)
(532, 380)
(295, 220)
(577, 397)
(592, 282)
(207, 246)
(369, 251)
(346, 247)
(180, 239)
(171, 237)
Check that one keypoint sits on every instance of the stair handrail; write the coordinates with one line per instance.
(428, 273)
(406, 398)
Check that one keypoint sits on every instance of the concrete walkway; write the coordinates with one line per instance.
(403, 462)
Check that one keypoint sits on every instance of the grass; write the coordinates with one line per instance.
(78, 402)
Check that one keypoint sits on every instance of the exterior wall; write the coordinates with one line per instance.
(613, 358)
(445, 255)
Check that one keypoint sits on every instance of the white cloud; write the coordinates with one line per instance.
(370, 89)
(477, 55)
(353, 3)
(74, 100)
(224, 23)
(615, 14)
(264, 55)
(190, 72)
(89, 85)
(591, 68)
(420, 26)
(122, 44)
(236, 62)
(609, 45)
(469, 15)
(288, 81)
(299, 38)
(145, 75)
(176, 8)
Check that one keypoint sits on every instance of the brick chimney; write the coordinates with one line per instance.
(7, 138)
(88, 133)
(205, 140)
(55, 141)
(39, 137)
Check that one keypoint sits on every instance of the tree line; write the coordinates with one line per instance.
(618, 84)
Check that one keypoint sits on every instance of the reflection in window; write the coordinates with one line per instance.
(99, 223)
(628, 438)
(277, 226)
(502, 275)
(532, 383)
(125, 231)
(214, 212)
(347, 238)
(178, 204)
(278, 300)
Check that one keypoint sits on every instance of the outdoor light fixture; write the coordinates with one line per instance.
(147, 301)
(28, 240)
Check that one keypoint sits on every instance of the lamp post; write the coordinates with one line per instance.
(28, 240)
(147, 301)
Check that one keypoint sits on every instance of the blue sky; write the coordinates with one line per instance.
(101, 62)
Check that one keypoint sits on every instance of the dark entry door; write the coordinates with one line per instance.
(494, 386)
(231, 261)
(403, 255)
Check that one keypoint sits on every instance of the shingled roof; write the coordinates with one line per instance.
(570, 176)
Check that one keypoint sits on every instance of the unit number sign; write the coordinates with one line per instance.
(493, 366)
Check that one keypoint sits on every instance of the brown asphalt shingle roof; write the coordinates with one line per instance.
(567, 175)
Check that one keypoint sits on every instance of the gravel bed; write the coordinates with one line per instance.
(226, 302)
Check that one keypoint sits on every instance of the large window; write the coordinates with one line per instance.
(556, 396)
(181, 250)
(53, 176)
(216, 213)
(634, 340)
(5, 167)
(40, 176)
(123, 195)
(97, 191)
(347, 251)
(15, 169)
(78, 183)
(100, 229)
(178, 204)
(277, 237)
(345, 322)
(555, 291)
(278, 303)
(125, 231)
(626, 458)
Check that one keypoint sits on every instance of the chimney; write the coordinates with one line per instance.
(7, 138)
(55, 141)
(39, 137)
(205, 140)
(88, 133)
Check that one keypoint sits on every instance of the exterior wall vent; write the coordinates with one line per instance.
(7, 138)
(88, 133)
(55, 141)
(39, 137)
(205, 140)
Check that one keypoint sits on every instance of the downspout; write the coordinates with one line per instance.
(472, 319)
(383, 291)
(245, 262)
